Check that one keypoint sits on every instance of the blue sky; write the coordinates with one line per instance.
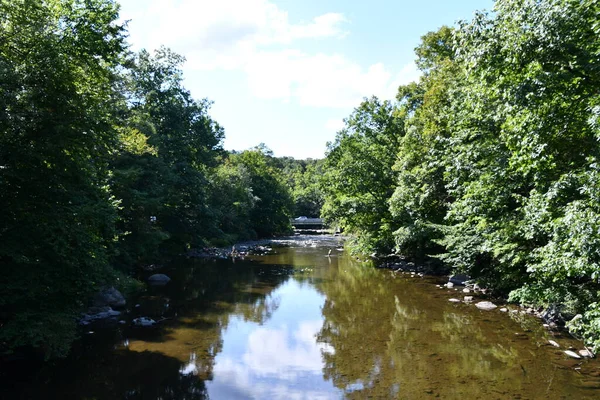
(286, 73)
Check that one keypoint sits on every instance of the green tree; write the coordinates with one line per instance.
(273, 208)
(358, 179)
(187, 142)
(58, 62)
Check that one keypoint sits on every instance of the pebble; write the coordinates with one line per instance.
(449, 285)
(504, 309)
(454, 300)
(485, 305)
(572, 354)
(553, 343)
(585, 353)
(466, 290)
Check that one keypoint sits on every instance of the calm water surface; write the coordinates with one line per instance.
(300, 325)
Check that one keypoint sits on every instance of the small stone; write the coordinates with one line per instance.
(449, 285)
(585, 353)
(144, 321)
(454, 300)
(485, 305)
(468, 299)
(122, 322)
(553, 343)
(158, 279)
(465, 290)
(572, 354)
(504, 309)
(458, 279)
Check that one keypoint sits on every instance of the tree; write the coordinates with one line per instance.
(358, 179)
(187, 143)
(273, 208)
(58, 62)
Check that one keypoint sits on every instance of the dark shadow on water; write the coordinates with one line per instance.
(148, 375)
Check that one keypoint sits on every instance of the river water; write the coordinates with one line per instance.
(298, 324)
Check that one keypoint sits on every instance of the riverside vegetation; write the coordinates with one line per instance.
(487, 165)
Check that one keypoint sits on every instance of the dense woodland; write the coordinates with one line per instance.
(488, 165)
(107, 163)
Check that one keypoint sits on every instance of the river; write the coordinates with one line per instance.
(299, 324)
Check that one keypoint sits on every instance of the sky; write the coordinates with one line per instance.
(287, 72)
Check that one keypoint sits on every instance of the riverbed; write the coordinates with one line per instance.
(307, 321)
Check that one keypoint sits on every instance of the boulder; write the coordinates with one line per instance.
(109, 297)
(552, 315)
(158, 279)
(97, 314)
(459, 279)
(485, 305)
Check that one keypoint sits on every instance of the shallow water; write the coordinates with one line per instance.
(298, 324)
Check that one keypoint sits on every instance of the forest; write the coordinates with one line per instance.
(487, 166)
(107, 163)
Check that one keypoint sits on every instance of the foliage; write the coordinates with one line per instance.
(274, 204)
(496, 171)
(107, 163)
(57, 88)
(358, 179)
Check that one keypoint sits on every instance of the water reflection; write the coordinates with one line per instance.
(278, 359)
(298, 324)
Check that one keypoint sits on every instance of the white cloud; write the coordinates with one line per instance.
(226, 29)
(335, 125)
(321, 80)
(254, 36)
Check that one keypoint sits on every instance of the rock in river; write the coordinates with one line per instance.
(585, 353)
(109, 297)
(485, 305)
(95, 314)
(454, 300)
(572, 354)
(458, 279)
(144, 321)
(158, 279)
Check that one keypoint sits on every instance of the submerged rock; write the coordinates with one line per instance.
(485, 305)
(158, 279)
